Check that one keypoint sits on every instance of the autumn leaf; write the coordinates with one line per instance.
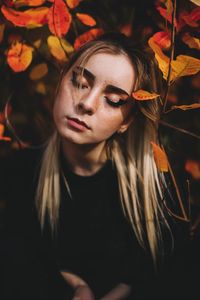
(58, 47)
(189, 18)
(184, 65)
(160, 158)
(31, 18)
(197, 2)
(2, 137)
(162, 39)
(73, 3)
(19, 56)
(20, 3)
(186, 107)
(38, 71)
(162, 59)
(193, 167)
(166, 14)
(2, 28)
(191, 41)
(41, 88)
(86, 19)
(87, 36)
(59, 18)
(144, 95)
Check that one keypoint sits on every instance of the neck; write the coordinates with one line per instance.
(84, 160)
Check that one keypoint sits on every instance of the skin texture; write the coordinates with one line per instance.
(89, 104)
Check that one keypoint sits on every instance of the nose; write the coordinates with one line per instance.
(89, 103)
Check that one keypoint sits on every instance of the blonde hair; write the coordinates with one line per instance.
(131, 152)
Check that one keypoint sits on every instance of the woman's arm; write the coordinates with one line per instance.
(120, 292)
(82, 290)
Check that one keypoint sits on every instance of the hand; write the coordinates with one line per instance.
(83, 292)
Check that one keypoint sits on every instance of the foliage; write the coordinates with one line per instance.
(37, 37)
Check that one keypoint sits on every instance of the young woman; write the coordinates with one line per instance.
(98, 191)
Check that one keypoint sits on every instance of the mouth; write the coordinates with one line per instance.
(78, 124)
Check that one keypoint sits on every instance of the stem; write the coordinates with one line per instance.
(173, 31)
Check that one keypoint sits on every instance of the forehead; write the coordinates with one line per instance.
(112, 69)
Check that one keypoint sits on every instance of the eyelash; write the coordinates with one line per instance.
(110, 102)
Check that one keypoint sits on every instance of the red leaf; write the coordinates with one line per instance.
(165, 14)
(193, 167)
(87, 36)
(162, 39)
(59, 18)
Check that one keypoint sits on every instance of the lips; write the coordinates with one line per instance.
(78, 122)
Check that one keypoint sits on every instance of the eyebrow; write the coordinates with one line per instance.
(110, 87)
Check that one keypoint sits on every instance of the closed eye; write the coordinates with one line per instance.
(79, 81)
(118, 103)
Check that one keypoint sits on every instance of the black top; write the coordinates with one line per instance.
(93, 240)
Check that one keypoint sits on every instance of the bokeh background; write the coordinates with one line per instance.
(34, 48)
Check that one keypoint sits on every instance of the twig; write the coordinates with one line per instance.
(173, 31)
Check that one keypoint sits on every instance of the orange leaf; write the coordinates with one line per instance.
(162, 59)
(19, 3)
(86, 19)
(73, 3)
(59, 18)
(162, 39)
(34, 17)
(38, 71)
(2, 27)
(3, 138)
(191, 41)
(184, 65)
(193, 167)
(160, 158)
(186, 107)
(2, 128)
(87, 36)
(19, 56)
(59, 47)
(144, 95)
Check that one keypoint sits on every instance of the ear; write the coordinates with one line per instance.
(127, 122)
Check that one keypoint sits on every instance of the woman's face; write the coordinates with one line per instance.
(89, 109)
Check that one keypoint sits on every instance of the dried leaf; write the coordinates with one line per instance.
(87, 36)
(160, 158)
(41, 88)
(19, 56)
(73, 3)
(58, 47)
(191, 41)
(162, 39)
(144, 95)
(184, 65)
(59, 18)
(31, 18)
(86, 19)
(193, 167)
(2, 28)
(38, 71)
(186, 107)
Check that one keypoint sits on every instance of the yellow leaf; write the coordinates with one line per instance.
(160, 158)
(19, 56)
(144, 95)
(186, 107)
(38, 71)
(191, 41)
(2, 27)
(86, 19)
(58, 47)
(184, 65)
